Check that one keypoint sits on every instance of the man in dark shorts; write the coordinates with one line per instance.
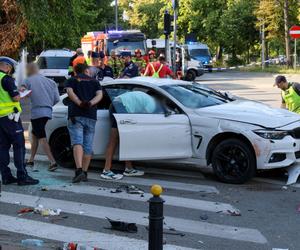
(85, 93)
(290, 94)
(43, 97)
(131, 102)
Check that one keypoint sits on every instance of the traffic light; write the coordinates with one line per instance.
(167, 23)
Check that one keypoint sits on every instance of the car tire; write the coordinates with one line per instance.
(61, 149)
(233, 161)
(190, 76)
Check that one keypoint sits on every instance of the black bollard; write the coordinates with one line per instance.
(156, 219)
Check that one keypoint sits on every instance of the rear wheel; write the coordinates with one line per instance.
(233, 161)
(190, 76)
(60, 145)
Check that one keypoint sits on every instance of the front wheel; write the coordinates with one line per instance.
(233, 161)
(190, 76)
(60, 145)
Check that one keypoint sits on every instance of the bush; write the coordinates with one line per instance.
(234, 61)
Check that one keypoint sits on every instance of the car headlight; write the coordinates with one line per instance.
(210, 61)
(272, 134)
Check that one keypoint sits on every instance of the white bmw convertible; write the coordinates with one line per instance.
(194, 125)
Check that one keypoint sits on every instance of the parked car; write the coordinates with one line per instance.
(192, 124)
(54, 64)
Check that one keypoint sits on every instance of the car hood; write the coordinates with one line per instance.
(250, 112)
(203, 59)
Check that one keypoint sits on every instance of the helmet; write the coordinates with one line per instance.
(138, 51)
(9, 61)
(151, 52)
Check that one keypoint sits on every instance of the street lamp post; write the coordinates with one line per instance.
(175, 8)
(116, 14)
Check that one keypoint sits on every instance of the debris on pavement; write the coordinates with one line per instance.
(284, 187)
(81, 212)
(200, 241)
(234, 213)
(122, 226)
(204, 217)
(170, 231)
(32, 242)
(280, 249)
(128, 189)
(47, 211)
(44, 189)
(25, 210)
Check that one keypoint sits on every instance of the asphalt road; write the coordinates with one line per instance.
(262, 214)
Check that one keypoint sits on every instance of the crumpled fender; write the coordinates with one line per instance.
(293, 173)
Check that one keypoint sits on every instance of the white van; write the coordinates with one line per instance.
(54, 64)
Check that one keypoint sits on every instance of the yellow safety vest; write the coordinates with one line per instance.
(7, 105)
(291, 99)
(156, 73)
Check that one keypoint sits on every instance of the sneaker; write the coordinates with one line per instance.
(53, 167)
(79, 176)
(110, 175)
(133, 172)
(28, 181)
(34, 169)
(86, 176)
(29, 163)
(9, 180)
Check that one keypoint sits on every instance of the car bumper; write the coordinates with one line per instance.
(277, 153)
(200, 71)
(207, 66)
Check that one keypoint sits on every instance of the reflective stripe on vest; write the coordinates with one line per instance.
(7, 106)
(156, 73)
(291, 99)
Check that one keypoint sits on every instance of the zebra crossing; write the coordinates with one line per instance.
(95, 201)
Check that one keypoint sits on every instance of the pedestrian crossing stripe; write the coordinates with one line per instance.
(210, 206)
(140, 218)
(70, 234)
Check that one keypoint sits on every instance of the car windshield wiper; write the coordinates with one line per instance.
(216, 93)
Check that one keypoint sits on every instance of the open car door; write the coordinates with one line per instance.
(153, 136)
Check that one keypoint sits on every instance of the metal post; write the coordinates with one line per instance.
(167, 46)
(263, 46)
(295, 55)
(116, 14)
(156, 219)
(175, 40)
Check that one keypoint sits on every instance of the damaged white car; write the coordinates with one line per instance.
(192, 124)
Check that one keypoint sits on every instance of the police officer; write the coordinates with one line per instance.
(104, 70)
(131, 69)
(290, 93)
(11, 130)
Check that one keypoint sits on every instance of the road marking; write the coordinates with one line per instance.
(101, 212)
(70, 234)
(275, 182)
(170, 200)
(135, 181)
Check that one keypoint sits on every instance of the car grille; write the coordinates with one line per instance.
(297, 154)
(295, 133)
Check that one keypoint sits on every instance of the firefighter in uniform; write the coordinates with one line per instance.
(152, 56)
(139, 61)
(11, 129)
(115, 63)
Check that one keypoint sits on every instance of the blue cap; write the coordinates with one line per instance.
(101, 54)
(125, 53)
(94, 54)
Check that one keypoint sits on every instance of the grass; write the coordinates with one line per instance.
(271, 69)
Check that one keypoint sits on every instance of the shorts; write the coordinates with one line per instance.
(38, 127)
(82, 133)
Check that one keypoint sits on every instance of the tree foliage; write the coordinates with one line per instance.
(13, 28)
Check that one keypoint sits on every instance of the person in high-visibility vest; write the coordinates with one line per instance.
(71, 66)
(11, 129)
(115, 63)
(152, 56)
(290, 94)
(159, 69)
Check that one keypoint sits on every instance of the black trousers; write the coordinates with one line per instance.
(12, 134)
